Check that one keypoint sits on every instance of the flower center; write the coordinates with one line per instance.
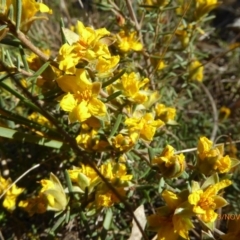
(206, 203)
(84, 95)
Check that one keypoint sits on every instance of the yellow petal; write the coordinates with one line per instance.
(96, 107)
(68, 102)
(81, 112)
(44, 8)
(194, 197)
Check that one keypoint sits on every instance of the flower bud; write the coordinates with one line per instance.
(170, 164)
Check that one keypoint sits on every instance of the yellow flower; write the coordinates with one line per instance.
(106, 64)
(159, 3)
(131, 85)
(165, 113)
(34, 61)
(132, 88)
(146, 126)
(36, 117)
(204, 146)
(84, 177)
(128, 42)
(211, 158)
(91, 141)
(34, 205)
(88, 48)
(11, 195)
(223, 165)
(206, 201)
(53, 190)
(167, 221)
(81, 100)
(86, 170)
(184, 33)
(90, 36)
(68, 59)
(196, 71)
(182, 7)
(29, 9)
(224, 113)
(161, 65)
(171, 165)
(4, 183)
(105, 198)
(203, 7)
(116, 173)
(124, 143)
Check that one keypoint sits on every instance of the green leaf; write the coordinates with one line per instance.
(83, 181)
(24, 121)
(112, 80)
(108, 219)
(151, 153)
(207, 236)
(161, 185)
(234, 162)
(18, 14)
(64, 40)
(59, 222)
(16, 94)
(23, 137)
(39, 71)
(24, 59)
(213, 179)
(10, 13)
(116, 125)
(69, 182)
(113, 96)
(3, 6)
(3, 27)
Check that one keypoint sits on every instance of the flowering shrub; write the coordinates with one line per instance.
(106, 112)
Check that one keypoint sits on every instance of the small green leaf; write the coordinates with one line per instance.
(69, 182)
(112, 80)
(116, 125)
(23, 137)
(83, 181)
(234, 162)
(113, 96)
(40, 71)
(108, 219)
(151, 153)
(10, 13)
(24, 59)
(161, 185)
(3, 27)
(18, 14)
(213, 179)
(207, 236)
(59, 222)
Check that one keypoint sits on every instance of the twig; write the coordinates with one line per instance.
(214, 112)
(132, 14)
(24, 174)
(195, 149)
(23, 38)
